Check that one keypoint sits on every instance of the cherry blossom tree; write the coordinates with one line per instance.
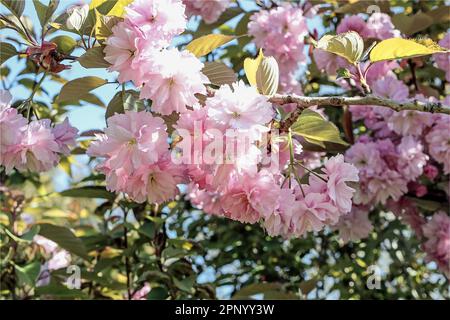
(283, 148)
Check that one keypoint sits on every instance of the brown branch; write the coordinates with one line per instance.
(337, 101)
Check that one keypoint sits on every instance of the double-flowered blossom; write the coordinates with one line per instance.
(34, 146)
(159, 20)
(210, 10)
(439, 142)
(355, 225)
(172, 80)
(241, 108)
(280, 32)
(138, 50)
(437, 240)
(123, 51)
(136, 150)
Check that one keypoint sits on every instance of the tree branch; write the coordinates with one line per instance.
(336, 101)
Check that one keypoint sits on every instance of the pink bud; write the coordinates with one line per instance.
(430, 171)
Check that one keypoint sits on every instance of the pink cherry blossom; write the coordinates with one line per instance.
(437, 244)
(159, 20)
(123, 51)
(381, 26)
(210, 10)
(12, 128)
(439, 145)
(65, 136)
(131, 140)
(156, 182)
(279, 222)
(412, 159)
(280, 32)
(355, 225)
(328, 62)
(338, 173)
(250, 198)
(354, 23)
(312, 213)
(36, 151)
(241, 108)
(172, 80)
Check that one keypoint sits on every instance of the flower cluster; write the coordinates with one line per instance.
(34, 146)
(280, 32)
(138, 50)
(437, 240)
(210, 11)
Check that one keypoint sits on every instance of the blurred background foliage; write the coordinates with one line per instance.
(123, 249)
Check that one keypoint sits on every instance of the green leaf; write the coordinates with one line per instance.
(64, 238)
(7, 51)
(219, 73)
(75, 89)
(412, 24)
(93, 58)
(148, 229)
(205, 44)
(267, 76)
(55, 289)
(315, 129)
(44, 12)
(66, 44)
(186, 284)
(158, 293)
(121, 102)
(348, 45)
(88, 192)
(16, 7)
(398, 48)
(28, 274)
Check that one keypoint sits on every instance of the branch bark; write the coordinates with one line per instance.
(336, 101)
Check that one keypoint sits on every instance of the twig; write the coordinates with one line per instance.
(337, 101)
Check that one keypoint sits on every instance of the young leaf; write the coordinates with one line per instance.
(7, 51)
(77, 15)
(93, 58)
(75, 89)
(398, 48)
(267, 76)
(64, 238)
(218, 73)
(348, 45)
(251, 67)
(204, 45)
(315, 129)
